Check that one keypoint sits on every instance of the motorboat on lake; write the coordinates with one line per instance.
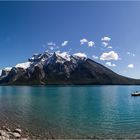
(137, 93)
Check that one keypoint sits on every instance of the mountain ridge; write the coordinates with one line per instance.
(60, 68)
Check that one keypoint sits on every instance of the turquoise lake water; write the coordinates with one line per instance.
(72, 111)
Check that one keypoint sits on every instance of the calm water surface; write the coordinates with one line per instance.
(73, 111)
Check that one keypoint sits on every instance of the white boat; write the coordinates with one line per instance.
(137, 93)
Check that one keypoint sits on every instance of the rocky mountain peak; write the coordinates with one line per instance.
(61, 68)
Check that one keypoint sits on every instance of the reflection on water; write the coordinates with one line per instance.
(72, 111)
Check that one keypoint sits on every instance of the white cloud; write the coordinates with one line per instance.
(128, 53)
(51, 44)
(105, 44)
(64, 43)
(131, 54)
(79, 54)
(91, 43)
(110, 64)
(83, 41)
(69, 50)
(130, 66)
(51, 48)
(95, 57)
(109, 47)
(105, 38)
(109, 56)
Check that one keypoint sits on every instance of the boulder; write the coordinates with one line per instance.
(16, 135)
(18, 130)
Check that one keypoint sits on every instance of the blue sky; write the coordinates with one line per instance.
(108, 32)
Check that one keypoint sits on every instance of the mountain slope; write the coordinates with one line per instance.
(61, 68)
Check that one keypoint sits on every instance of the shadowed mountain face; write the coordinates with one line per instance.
(61, 68)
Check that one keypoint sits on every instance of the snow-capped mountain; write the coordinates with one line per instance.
(61, 68)
(5, 71)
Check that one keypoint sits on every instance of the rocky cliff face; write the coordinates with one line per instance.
(61, 68)
(5, 72)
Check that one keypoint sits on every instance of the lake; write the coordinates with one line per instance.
(72, 111)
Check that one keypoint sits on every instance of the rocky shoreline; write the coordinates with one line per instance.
(8, 134)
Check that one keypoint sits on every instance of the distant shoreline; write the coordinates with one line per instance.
(65, 85)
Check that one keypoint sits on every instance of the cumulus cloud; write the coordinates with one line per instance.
(64, 43)
(105, 44)
(51, 48)
(91, 43)
(130, 54)
(79, 54)
(130, 66)
(95, 57)
(110, 64)
(105, 38)
(109, 56)
(83, 41)
(133, 54)
(109, 47)
(51, 44)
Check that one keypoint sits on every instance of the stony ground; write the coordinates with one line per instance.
(7, 134)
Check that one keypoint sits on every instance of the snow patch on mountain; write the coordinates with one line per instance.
(80, 55)
(23, 65)
(7, 68)
(64, 55)
(35, 57)
(50, 58)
